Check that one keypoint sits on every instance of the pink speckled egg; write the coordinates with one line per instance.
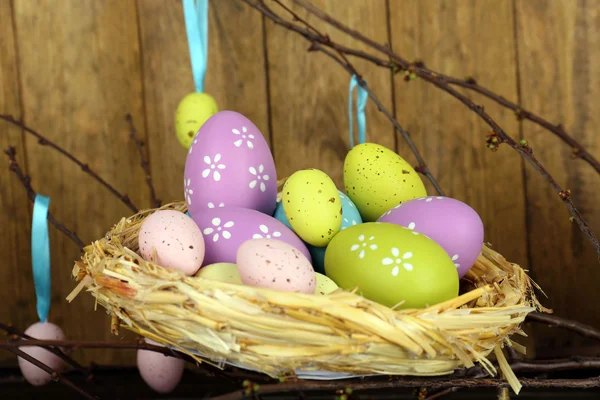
(451, 223)
(162, 373)
(225, 229)
(230, 164)
(273, 264)
(177, 239)
(33, 374)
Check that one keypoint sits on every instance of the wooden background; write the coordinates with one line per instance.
(73, 68)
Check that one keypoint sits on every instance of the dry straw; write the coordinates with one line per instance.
(277, 333)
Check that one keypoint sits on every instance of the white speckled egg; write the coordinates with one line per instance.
(162, 373)
(274, 264)
(33, 374)
(178, 241)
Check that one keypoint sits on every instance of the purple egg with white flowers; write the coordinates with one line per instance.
(226, 228)
(451, 223)
(229, 163)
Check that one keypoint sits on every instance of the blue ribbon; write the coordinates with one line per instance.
(196, 24)
(361, 103)
(40, 255)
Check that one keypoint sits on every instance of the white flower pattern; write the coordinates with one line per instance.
(392, 209)
(243, 137)
(455, 258)
(213, 166)
(430, 198)
(265, 231)
(218, 230)
(188, 191)
(258, 178)
(398, 261)
(347, 223)
(212, 205)
(411, 226)
(363, 245)
(192, 145)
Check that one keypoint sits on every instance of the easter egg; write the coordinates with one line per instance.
(312, 206)
(161, 372)
(224, 272)
(377, 179)
(391, 265)
(451, 223)
(176, 239)
(192, 112)
(229, 164)
(273, 264)
(32, 373)
(225, 229)
(325, 285)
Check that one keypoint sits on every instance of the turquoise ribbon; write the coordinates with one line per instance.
(361, 102)
(196, 24)
(40, 255)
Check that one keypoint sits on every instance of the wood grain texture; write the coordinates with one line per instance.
(558, 44)
(463, 38)
(235, 76)
(15, 218)
(80, 73)
(309, 91)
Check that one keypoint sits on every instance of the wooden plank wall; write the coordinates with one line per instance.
(72, 69)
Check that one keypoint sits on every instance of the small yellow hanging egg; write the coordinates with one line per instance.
(192, 112)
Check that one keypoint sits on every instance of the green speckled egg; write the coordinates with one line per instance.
(192, 112)
(391, 264)
(312, 206)
(377, 179)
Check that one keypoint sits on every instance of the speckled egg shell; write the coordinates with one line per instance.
(312, 206)
(192, 112)
(451, 223)
(177, 239)
(377, 179)
(391, 265)
(229, 164)
(161, 372)
(225, 229)
(224, 272)
(273, 264)
(33, 374)
(325, 285)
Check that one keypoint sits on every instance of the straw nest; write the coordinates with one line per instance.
(277, 333)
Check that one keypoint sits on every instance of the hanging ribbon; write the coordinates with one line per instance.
(361, 102)
(196, 24)
(40, 255)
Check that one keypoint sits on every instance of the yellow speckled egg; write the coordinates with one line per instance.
(324, 284)
(377, 179)
(224, 272)
(312, 206)
(192, 112)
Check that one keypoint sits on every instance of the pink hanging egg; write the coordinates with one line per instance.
(32, 373)
(161, 372)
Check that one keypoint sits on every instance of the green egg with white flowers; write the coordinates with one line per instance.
(391, 265)
(377, 179)
(312, 205)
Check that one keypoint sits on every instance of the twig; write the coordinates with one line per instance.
(572, 364)
(577, 327)
(442, 393)
(10, 330)
(26, 181)
(84, 167)
(422, 167)
(499, 135)
(143, 161)
(56, 377)
(416, 382)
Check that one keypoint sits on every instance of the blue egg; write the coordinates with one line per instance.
(350, 216)
(188, 214)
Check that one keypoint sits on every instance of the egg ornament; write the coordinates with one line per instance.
(273, 264)
(223, 272)
(377, 179)
(312, 206)
(192, 112)
(161, 372)
(34, 374)
(325, 285)
(451, 223)
(229, 163)
(391, 265)
(225, 229)
(172, 240)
